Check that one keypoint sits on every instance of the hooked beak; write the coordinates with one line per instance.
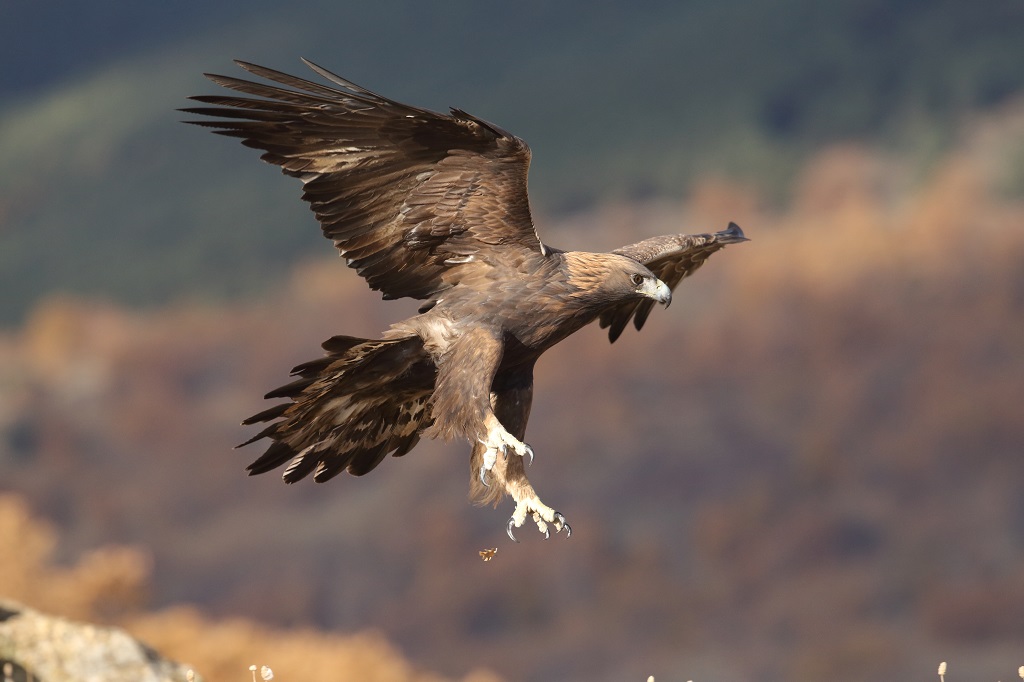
(657, 290)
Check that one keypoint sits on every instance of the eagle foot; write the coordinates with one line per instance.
(500, 440)
(542, 516)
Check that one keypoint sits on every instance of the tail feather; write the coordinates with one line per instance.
(313, 367)
(277, 454)
(360, 463)
(302, 465)
(339, 345)
(292, 390)
(348, 410)
(265, 416)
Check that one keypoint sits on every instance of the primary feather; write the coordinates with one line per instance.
(405, 194)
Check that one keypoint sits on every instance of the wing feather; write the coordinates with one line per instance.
(407, 195)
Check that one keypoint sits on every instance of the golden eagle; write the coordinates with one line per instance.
(434, 207)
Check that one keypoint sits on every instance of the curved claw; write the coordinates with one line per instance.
(508, 529)
(561, 519)
(483, 477)
(529, 452)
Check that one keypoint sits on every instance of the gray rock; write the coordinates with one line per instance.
(35, 647)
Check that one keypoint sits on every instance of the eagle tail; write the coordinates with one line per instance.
(349, 409)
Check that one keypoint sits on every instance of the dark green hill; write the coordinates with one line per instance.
(102, 192)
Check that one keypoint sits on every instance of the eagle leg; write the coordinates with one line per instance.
(503, 427)
(499, 440)
(509, 475)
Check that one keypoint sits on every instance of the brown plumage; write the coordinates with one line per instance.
(433, 207)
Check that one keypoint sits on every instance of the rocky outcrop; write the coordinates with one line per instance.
(35, 647)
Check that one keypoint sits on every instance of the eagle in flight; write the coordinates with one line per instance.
(434, 207)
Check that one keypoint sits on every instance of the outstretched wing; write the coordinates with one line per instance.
(671, 258)
(410, 197)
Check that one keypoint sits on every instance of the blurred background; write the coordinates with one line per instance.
(809, 468)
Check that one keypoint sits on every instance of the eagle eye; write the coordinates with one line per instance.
(637, 279)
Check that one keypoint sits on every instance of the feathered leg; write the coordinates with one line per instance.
(461, 404)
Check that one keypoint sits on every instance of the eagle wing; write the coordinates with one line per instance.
(409, 197)
(671, 258)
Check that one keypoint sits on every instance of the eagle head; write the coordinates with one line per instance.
(609, 279)
(649, 286)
